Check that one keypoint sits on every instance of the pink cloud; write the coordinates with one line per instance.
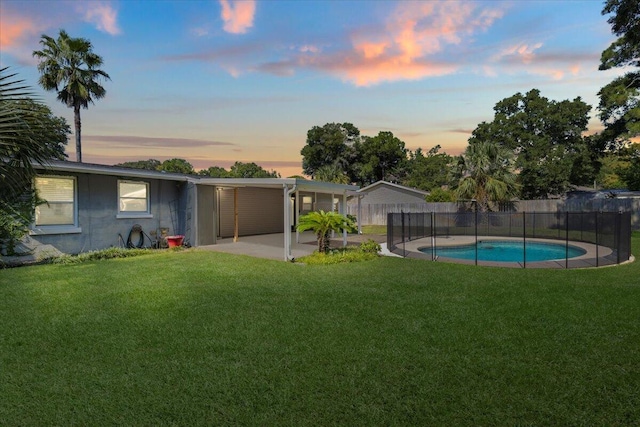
(102, 15)
(14, 29)
(403, 50)
(237, 15)
(532, 59)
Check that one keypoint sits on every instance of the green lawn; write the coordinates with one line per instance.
(202, 338)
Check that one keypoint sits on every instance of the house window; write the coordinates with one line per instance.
(60, 196)
(133, 198)
(307, 203)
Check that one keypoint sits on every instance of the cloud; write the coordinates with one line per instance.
(237, 15)
(102, 15)
(531, 58)
(133, 142)
(405, 47)
(22, 23)
(14, 29)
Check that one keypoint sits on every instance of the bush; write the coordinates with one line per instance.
(370, 246)
(110, 253)
(364, 252)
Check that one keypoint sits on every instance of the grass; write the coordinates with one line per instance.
(380, 230)
(204, 338)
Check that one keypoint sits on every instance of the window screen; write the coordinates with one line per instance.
(307, 203)
(59, 194)
(133, 196)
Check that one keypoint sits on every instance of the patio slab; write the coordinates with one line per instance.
(270, 246)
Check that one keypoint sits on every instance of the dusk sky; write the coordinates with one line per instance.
(219, 81)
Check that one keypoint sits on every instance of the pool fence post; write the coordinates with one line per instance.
(475, 205)
(433, 236)
(597, 234)
(566, 241)
(403, 237)
(617, 235)
(524, 239)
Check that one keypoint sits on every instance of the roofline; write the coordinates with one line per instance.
(402, 187)
(65, 166)
(301, 184)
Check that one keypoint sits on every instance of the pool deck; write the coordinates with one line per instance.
(594, 256)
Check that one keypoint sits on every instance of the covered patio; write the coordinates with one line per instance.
(249, 215)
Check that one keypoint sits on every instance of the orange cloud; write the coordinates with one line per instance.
(102, 15)
(414, 32)
(238, 16)
(14, 29)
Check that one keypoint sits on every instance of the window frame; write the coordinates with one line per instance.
(37, 229)
(134, 214)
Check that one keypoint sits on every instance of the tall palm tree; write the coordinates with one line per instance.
(487, 177)
(69, 66)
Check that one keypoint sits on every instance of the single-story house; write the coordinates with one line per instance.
(92, 207)
(365, 202)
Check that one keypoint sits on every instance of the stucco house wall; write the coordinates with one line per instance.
(98, 223)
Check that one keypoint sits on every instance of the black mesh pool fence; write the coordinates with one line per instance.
(605, 237)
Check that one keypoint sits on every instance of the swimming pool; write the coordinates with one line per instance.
(508, 251)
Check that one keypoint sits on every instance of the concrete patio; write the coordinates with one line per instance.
(269, 246)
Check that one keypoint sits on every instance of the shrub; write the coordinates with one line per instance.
(336, 256)
(370, 246)
(110, 253)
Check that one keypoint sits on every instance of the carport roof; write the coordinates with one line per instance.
(299, 183)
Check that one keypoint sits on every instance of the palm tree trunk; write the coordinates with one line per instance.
(76, 117)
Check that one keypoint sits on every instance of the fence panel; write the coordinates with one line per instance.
(608, 235)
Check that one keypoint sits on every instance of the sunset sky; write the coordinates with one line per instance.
(219, 81)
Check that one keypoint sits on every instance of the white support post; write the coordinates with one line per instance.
(343, 210)
(287, 224)
(359, 214)
(296, 213)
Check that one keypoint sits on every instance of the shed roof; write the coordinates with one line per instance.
(391, 184)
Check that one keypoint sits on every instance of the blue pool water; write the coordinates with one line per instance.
(508, 251)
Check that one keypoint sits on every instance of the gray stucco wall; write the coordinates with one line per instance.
(97, 199)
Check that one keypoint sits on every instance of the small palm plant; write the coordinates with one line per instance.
(322, 223)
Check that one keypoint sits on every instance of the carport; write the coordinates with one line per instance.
(226, 208)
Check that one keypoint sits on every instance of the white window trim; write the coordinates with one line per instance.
(134, 215)
(41, 230)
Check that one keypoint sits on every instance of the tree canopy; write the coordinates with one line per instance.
(430, 171)
(329, 144)
(546, 137)
(378, 157)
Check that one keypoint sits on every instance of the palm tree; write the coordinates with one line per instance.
(23, 142)
(69, 66)
(331, 173)
(487, 175)
(322, 223)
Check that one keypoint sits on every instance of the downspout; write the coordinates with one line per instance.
(287, 220)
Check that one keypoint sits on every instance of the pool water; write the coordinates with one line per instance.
(509, 251)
